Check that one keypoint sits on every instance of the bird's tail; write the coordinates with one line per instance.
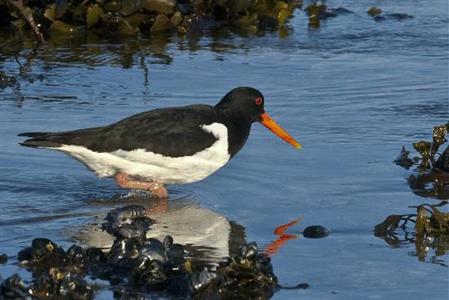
(39, 140)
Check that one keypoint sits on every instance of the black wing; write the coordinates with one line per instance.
(171, 132)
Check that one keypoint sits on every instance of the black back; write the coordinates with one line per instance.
(173, 132)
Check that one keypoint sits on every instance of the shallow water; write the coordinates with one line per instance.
(352, 92)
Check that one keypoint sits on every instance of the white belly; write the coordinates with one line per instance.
(154, 166)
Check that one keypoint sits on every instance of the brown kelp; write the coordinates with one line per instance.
(431, 174)
(427, 229)
(69, 18)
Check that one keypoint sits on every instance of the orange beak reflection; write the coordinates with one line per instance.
(278, 130)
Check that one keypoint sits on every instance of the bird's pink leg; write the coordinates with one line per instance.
(156, 188)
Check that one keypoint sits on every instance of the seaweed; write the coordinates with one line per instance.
(431, 174)
(427, 229)
(70, 18)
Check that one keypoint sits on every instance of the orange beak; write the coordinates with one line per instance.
(278, 130)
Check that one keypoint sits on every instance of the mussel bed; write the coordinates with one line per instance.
(136, 266)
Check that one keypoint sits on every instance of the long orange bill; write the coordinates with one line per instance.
(268, 122)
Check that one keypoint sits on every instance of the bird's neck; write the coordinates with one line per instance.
(238, 131)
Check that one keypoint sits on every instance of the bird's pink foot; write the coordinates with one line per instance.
(156, 188)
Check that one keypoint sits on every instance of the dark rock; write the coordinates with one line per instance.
(159, 6)
(184, 7)
(3, 258)
(267, 22)
(374, 11)
(176, 19)
(14, 288)
(161, 23)
(315, 232)
(130, 7)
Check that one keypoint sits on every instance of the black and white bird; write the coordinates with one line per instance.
(166, 146)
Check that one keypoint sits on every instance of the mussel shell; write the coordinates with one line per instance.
(154, 250)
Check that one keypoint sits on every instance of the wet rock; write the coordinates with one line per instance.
(184, 7)
(93, 15)
(74, 287)
(159, 6)
(403, 159)
(374, 11)
(161, 23)
(130, 7)
(239, 6)
(176, 19)
(58, 284)
(112, 7)
(62, 29)
(315, 232)
(3, 258)
(42, 253)
(267, 22)
(14, 288)
(60, 8)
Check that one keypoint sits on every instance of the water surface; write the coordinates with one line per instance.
(352, 92)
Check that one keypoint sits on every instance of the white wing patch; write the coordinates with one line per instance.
(154, 166)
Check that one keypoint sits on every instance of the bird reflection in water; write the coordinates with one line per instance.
(207, 235)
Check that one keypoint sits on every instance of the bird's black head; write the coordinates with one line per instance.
(243, 104)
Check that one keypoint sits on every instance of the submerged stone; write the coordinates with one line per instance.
(315, 232)
(176, 19)
(130, 7)
(3, 258)
(159, 6)
(161, 23)
(93, 15)
(14, 288)
(112, 7)
(61, 28)
(374, 11)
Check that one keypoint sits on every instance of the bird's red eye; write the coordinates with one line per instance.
(259, 101)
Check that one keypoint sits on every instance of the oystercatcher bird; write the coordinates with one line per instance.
(166, 146)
